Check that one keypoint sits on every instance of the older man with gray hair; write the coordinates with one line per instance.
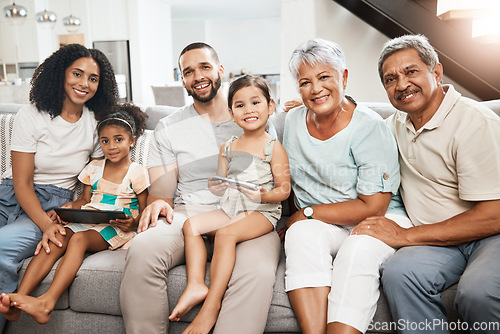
(449, 149)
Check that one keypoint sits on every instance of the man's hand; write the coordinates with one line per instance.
(149, 216)
(292, 104)
(383, 229)
(217, 187)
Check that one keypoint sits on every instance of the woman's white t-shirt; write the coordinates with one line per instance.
(62, 149)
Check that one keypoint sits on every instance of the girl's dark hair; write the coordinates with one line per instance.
(47, 85)
(246, 81)
(128, 116)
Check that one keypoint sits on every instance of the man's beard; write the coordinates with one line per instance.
(215, 88)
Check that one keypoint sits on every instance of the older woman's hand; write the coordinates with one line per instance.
(383, 229)
(297, 216)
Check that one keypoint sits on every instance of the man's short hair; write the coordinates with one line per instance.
(199, 45)
(420, 43)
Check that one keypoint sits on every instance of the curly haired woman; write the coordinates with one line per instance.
(52, 141)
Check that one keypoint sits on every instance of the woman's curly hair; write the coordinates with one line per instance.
(128, 116)
(47, 85)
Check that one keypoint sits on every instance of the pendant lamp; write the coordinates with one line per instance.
(15, 13)
(46, 19)
(72, 23)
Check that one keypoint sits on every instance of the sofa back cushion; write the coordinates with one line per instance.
(139, 153)
(6, 125)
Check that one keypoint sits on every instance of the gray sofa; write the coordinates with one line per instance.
(91, 304)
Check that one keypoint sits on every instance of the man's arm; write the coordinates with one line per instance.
(481, 221)
(160, 197)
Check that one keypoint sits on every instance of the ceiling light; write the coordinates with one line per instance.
(46, 19)
(15, 13)
(72, 23)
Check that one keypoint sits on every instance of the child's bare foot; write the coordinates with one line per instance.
(192, 296)
(38, 308)
(204, 321)
(9, 312)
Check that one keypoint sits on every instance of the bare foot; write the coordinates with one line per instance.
(192, 296)
(9, 312)
(38, 308)
(204, 321)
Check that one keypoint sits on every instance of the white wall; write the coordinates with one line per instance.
(150, 47)
(185, 32)
(257, 45)
(251, 44)
(297, 25)
(145, 23)
(14, 46)
(361, 44)
(109, 20)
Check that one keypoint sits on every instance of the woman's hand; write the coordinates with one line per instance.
(126, 225)
(297, 216)
(49, 234)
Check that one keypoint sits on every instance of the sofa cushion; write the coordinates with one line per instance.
(10, 108)
(68, 321)
(63, 302)
(101, 295)
(383, 109)
(96, 286)
(142, 147)
(281, 317)
(6, 125)
(155, 113)
(493, 105)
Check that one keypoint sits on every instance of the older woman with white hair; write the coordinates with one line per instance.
(344, 168)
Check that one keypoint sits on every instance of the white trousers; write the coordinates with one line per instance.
(320, 254)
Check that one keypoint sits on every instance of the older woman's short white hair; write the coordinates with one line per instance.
(317, 51)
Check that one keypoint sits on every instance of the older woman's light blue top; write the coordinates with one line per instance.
(360, 159)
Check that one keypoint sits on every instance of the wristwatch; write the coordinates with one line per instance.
(308, 212)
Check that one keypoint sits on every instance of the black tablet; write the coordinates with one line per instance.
(88, 216)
